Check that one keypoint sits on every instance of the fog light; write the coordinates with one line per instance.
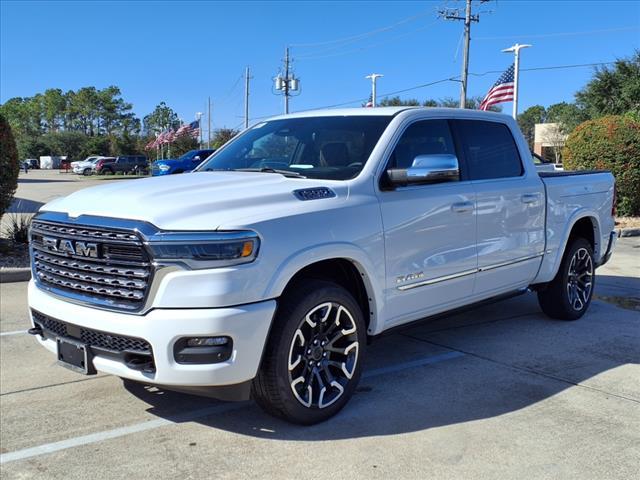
(207, 341)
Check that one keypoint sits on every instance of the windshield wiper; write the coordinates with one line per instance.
(286, 173)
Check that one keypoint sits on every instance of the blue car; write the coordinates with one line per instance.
(185, 163)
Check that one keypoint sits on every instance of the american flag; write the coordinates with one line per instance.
(502, 90)
(369, 103)
(192, 129)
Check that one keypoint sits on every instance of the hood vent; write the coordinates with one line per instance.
(315, 193)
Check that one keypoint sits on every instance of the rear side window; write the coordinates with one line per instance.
(490, 150)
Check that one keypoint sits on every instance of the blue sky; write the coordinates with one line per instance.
(183, 52)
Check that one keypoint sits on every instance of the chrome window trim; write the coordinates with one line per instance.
(465, 273)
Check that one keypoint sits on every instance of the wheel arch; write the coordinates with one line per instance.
(583, 223)
(346, 266)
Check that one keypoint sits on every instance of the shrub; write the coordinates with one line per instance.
(9, 166)
(609, 143)
(17, 227)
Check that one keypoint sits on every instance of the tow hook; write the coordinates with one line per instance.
(35, 331)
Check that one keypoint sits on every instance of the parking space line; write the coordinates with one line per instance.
(15, 332)
(189, 416)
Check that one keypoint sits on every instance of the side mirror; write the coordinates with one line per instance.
(436, 168)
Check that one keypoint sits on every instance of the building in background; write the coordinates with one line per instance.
(549, 141)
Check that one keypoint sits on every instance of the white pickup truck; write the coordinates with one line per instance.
(266, 272)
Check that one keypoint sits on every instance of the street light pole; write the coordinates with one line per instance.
(199, 118)
(516, 74)
(374, 77)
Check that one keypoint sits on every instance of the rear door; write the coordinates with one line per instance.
(429, 231)
(510, 207)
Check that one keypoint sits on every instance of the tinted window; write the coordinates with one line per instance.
(427, 137)
(316, 147)
(490, 150)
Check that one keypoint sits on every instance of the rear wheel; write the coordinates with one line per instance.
(86, 172)
(568, 295)
(313, 359)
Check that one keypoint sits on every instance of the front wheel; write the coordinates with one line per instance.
(313, 358)
(568, 295)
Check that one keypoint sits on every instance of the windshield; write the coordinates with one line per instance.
(332, 148)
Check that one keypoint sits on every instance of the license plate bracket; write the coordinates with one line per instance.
(75, 356)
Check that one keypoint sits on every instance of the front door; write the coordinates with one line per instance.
(429, 232)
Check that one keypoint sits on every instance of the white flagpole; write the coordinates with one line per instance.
(516, 74)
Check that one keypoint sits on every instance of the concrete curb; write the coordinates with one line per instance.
(9, 275)
(630, 232)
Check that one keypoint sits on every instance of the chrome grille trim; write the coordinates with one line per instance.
(84, 232)
(121, 293)
(87, 277)
(71, 262)
(119, 278)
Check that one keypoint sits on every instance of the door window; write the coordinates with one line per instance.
(490, 150)
(426, 137)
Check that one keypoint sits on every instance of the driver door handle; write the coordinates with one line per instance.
(530, 197)
(462, 207)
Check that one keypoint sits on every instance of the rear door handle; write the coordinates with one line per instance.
(462, 207)
(530, 197)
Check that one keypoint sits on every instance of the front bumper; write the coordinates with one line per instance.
(247, 325)
(613, 237)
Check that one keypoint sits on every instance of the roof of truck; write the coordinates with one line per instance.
(378, 111)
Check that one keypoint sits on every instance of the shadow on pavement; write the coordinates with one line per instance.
(23, 205)
(41, 180)
(511, 357)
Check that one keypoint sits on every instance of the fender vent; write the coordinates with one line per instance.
(315, 193)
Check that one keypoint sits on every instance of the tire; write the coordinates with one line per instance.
(569, 294)
(86, 172)
(304, 335)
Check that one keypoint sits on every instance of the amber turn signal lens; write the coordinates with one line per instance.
(247, 249)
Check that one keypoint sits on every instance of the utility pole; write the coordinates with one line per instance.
(374, 77)
(246, 98)
(209, 125)
(287, 84)
(468, 18)
(516, 74)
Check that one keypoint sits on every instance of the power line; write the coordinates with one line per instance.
(320, 55)
(555, 67)
(560, 34)
(361, 35)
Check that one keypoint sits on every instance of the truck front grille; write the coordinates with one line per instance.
(99, 266)
(93, 338)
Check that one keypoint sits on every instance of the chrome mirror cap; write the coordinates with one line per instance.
(433, 168)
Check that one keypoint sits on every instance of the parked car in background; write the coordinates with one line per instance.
(89, 158)
(182, 164)
(268, 270)
(124, 164)
(86, 167)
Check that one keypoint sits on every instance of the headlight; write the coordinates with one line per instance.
(164, 168)
(205, 249)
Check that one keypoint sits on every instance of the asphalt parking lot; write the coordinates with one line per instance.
(499, 392)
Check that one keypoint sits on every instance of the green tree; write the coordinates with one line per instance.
(567, 115)
(397, 102)
(612, 143)
(527, 121)
(222, 136)
(160, 119)
(9, 166)
(613, 91)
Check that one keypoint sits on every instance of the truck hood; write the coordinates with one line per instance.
(198, 201)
